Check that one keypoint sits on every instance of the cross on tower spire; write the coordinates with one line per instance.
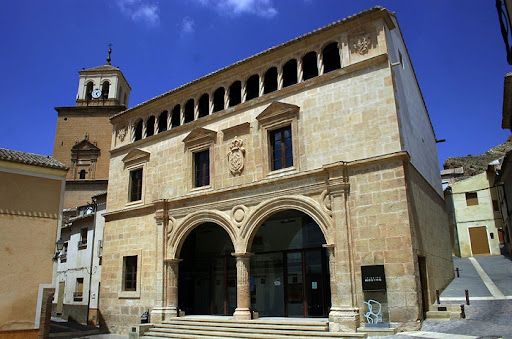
(109, 52)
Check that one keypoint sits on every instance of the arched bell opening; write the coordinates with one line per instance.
(207, 278)
(289, 274)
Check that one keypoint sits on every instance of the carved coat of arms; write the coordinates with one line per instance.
(361, 44)
(236, 156)
(121, 133)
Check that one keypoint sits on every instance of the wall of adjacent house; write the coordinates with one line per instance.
(475, 215)
(29, 216)
(431, 231)
(77, 265)
(80, 193)
(416, 130)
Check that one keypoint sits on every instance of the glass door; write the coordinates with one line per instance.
(294, 284)
(316, 284)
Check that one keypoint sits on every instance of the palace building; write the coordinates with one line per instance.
(300, 182)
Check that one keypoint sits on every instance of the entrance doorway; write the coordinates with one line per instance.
(289, 269)
(479, 241)
(207, 279)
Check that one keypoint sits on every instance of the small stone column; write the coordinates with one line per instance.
(243, 293)
(279, 78)
(300, 73)
(244, 91)
(261, 84)
(144, 129)
(320, 63)
(210, 104)
(226, 97)
(196, 109)
(169, 119)
(182, 114)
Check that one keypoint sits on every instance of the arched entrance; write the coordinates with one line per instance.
(289, 269)
(207, 279)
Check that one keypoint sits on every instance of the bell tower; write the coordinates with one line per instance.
(103, 85)
(84, 133)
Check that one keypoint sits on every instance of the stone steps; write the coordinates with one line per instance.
(255, 329)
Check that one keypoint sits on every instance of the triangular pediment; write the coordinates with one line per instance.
(85, 145)
(200, 135)
(136, 156)
(277, 111)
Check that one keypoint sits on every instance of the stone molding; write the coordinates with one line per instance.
(29, 214)
(200, 136)
(135, 156)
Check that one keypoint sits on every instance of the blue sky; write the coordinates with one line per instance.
(455, 46)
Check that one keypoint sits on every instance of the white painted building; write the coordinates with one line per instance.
(79, 266)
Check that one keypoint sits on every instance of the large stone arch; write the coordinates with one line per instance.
(191, 221)
(293, 202)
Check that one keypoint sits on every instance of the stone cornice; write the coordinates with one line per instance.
(238, 109)
(89, 110)
(29, 214)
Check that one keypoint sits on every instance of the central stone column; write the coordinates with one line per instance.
(243, 293)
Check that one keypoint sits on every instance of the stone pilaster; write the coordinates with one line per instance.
(170, 310)
(344, 314)
(243, 293)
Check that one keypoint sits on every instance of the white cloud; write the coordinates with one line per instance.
(187, 25)
(140, 11)
(263, 8)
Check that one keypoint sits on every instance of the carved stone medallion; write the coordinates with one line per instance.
(361, 44)
(236, 156)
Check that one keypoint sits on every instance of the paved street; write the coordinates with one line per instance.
(489, 315)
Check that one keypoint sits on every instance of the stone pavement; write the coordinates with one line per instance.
(489, 315)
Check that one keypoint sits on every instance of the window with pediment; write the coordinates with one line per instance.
(84, 156)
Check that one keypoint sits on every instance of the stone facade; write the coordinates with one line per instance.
(372, 194)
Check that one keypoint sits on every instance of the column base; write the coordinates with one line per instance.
(242, 314)
(344, 319)
(159, 314)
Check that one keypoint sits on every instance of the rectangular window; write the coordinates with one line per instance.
(202, 168)
(79, 289)
(495, 206)
(471, 199)
(281, 148)
(136, 185)
(130, 273)
(83, 238)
